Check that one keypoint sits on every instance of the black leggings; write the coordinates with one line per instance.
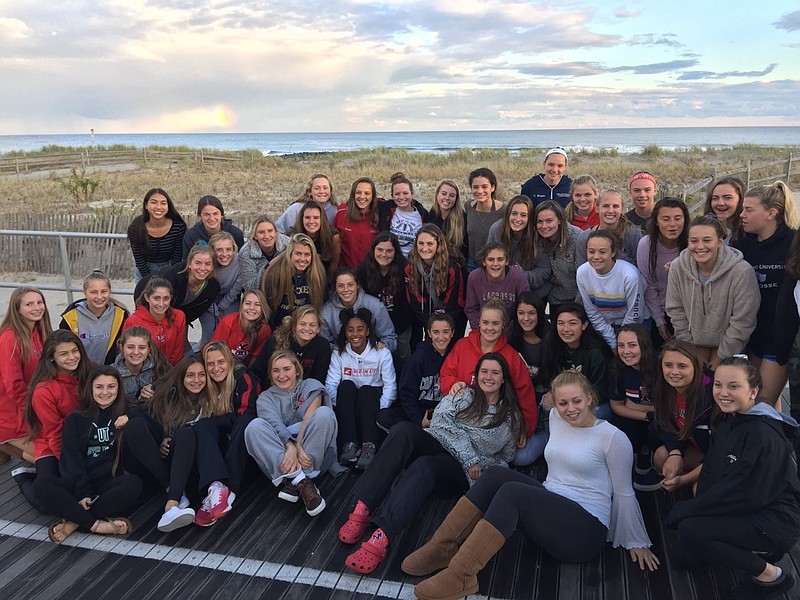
(141, 454)
(219, 458)
(357, 412)
(559, 526)
(116, 496)
(428, 468)
(731, 540)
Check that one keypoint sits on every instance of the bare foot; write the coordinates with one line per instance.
(61, 531)
(111, 527)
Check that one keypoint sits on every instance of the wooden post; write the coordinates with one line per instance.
(144, 153)
(747, 176)
(710, 185)
(788, 168)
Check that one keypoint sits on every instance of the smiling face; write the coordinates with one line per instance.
(312, 220)
(677, 369)
(482, 190)
(495, 264)
(363, 196)
(157, 207)
(527, 317)
(251, 307)
(490, 378)
(307, 328)
(31, 308)
(347, 289)
(610, 210)
(490, 326)
(584, 198)
(570, 328)
(200, 266)
(194, 380)
(134, 352)
(320, 190)
(67, 357)
(384, 254)
(440, 334)
(401, 194)
(426, 247)
(600, 255)
(211, 217)
(159, 302)
(104, 390)
(356, 332)
(216, 366)
(518, 217)
(670, 223)
(554, 167)
(628, 349)
(573, 405)
(547, 223)
(724, 201)
(283, 374)
(224, 252)
(704, 245)
(446, 198)
(98, 295)
(732, 392)
(266, 234)
(301, 257)
(756, 218)
(643, 193)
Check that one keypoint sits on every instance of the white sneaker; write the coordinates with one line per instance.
(175, 518)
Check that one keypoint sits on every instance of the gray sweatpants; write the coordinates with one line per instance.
(267, 449)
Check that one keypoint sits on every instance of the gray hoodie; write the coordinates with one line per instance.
(253, 263)
(720, 313)
(381, 321)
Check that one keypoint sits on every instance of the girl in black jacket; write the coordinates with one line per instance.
(91, 489)
(746, 512)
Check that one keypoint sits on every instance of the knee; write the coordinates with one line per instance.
(402, 432)
(660, 457)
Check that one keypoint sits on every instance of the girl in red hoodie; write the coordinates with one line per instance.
(53, 394)
(166, 325)
(24, 328)
(245, 332)
(458, 370)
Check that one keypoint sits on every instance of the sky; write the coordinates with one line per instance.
(173, 66)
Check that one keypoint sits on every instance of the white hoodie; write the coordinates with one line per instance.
(372, 367)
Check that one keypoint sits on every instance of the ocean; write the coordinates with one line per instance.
(625, 141)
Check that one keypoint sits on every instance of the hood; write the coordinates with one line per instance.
(781, 233)
(145, 315)
(762, 409)
(727, 259)
(253, 250)
(474, 340)
(337, 302)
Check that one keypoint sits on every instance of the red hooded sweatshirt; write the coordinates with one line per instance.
(229, 330)
(463, 358)
(14, 378)
(169, 338)
(52, 401)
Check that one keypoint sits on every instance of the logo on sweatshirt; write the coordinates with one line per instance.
(732, 458)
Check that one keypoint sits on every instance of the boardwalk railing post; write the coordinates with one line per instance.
(788, 168)
(62, 244)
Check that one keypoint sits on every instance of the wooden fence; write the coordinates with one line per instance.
(751, 174)
(82, 159)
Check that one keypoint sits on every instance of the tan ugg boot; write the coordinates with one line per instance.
(444, 543)
(460, 579)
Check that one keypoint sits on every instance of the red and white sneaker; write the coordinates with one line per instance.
(216, 504)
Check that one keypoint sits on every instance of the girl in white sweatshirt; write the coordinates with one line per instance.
(361, 380)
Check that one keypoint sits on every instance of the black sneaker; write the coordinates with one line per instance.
(349, 454)
(649, 482)
(367, 454)
(315, 504)
(289, 492)
(643, 463)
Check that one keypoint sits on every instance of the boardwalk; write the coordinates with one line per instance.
(270, 549)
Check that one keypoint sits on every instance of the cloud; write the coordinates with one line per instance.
(13, 30)
(649, 39)
(574, 69)
(789, 22)
(622, 12)
(695, 75)
(664, 67)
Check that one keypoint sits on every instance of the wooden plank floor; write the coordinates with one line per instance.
(270, 549)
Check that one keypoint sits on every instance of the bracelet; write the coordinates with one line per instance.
(676, 453)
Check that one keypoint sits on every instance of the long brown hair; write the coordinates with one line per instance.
(736, 220)
(220, 396)
(172, 405)
(252, 328)
(280, 276)
(665, 396)
(440, 266)
(454, 225)
(507, 405)
(562, 237)
(654, 234)
(353, 212)
(160, 363)
(526, 243)
(325, 233)
(14, 322)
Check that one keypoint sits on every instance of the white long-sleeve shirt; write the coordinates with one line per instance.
(371, 367)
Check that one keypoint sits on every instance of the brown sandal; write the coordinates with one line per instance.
(127, 522)
(51, 531)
